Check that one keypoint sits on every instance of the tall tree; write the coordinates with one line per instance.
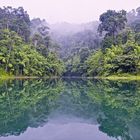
(112, 22)
(15, 19)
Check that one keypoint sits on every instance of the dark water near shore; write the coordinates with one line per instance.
(69, 109)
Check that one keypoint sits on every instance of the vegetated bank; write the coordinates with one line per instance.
(118, 55)
(27, 49)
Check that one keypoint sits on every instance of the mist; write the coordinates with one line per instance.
(79, 11)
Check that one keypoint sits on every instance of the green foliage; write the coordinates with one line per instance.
(112, 22)
(22, 54)
(26, 48)
(15, 19)
(113, 106)
(4, 74)
(25, 103)
(107, 42)
(120, 103)
(19, 58)
(94, 63)
(55, 66)
(120, 52)
(116, 60)
(137, 38)
(40, 36)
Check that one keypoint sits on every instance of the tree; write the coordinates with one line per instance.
(137, 38)
(40, 36)
(15, 19)
(138, 11)
(8, 42)
(19, 58)
(95, 64)
(112, 22)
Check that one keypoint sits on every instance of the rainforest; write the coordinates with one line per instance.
(104, 48)
(66, 80)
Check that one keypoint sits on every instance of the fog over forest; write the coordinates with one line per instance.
(77, 49)
(72, 80)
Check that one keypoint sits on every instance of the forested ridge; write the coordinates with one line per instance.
(110, 46)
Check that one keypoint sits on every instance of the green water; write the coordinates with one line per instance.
(69, 109)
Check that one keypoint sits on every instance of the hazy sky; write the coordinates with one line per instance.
(74, 11)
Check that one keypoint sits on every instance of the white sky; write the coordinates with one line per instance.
(74, 11)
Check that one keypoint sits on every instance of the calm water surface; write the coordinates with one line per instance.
(69, 109)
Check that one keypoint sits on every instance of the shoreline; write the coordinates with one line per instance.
(113, 77)
(116, 77)
(26, 77)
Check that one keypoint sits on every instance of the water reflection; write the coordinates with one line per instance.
(69, 109)
(26, 104)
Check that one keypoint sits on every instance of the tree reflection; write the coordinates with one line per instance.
(25, 103)
(115, 106)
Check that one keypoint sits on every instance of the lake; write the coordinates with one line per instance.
(69, 109)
